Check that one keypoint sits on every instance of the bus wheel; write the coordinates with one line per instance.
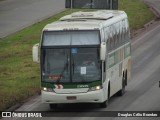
(104, 104)
(53, 106)
(122, 91)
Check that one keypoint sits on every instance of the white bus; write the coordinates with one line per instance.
(85, 57)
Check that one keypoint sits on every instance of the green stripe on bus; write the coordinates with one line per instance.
(72, 85)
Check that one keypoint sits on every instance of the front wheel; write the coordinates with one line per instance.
(104, 104)
(122, 91)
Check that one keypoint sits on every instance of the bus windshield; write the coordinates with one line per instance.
(71, 65)
(66, 38)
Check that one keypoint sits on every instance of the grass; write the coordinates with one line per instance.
(137, 11)
(19, 76)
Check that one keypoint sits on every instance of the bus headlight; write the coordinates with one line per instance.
(95, 88)
(47, 89)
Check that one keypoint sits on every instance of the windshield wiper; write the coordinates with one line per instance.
(61, 74)
(73, 64)
(82, 78)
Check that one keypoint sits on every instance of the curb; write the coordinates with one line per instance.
(149, 23)
(18, 105)
(155, 11)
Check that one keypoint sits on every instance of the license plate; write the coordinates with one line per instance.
(71, 97)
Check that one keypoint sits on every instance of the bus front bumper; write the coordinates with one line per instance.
(88, 97)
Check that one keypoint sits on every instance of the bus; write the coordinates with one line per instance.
(85, 57)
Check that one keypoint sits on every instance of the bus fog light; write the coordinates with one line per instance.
(44, 88)
(47, 89)
(95, 88)
(98, 87)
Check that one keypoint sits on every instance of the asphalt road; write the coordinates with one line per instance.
(18, 14)
(142, 92)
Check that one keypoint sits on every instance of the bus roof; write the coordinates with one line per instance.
(86, 20)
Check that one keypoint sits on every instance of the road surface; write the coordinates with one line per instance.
(18, 14)
(142, 92)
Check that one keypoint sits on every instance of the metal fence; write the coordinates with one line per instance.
(93, 4)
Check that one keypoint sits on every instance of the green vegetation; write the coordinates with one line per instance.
(137, 11)
(19, 76)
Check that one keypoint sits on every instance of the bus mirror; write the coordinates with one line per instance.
(103, 51)
(35, 55)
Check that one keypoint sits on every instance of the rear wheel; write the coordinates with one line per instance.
(53, 106)
(122, 91)
(126, 78)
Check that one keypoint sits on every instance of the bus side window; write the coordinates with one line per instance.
(121, 33)
(121, 36)
(116, 34)
(111, 38)
(126, 22)
(125, 35)
(106, 35)
(128, 35)
(108, 44)
(124, 31)
(112, 42)
(116, 40)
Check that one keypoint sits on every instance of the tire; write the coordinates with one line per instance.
(53, 106)
(126, 78)
(104, 104)
(122, 91)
